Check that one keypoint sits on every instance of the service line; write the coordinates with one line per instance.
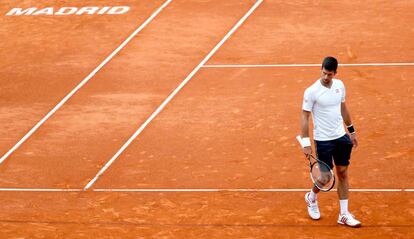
(83, 82)
(300, 65)
(169, 98)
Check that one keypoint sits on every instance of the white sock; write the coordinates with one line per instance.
(312, 196)
(344, 206)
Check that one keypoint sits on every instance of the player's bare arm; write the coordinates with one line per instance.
(346, 116)
(305, 130)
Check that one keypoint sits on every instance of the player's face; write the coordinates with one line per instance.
(327, 76)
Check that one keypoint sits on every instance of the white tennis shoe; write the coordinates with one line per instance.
(348, 220)
(313, 209)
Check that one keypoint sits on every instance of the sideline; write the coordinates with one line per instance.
(82, 83)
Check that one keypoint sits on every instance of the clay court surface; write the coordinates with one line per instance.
(177, 119)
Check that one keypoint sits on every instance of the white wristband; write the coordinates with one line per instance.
(306, 142)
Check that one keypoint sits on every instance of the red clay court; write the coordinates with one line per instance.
(177, 119)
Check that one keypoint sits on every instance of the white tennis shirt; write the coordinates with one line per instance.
(325, 105)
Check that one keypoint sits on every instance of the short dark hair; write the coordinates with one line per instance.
(330, 63)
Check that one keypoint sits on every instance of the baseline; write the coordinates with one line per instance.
(195, 190)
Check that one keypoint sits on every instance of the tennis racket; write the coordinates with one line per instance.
(321, 174)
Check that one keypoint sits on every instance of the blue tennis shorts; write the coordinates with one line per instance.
(339, 150)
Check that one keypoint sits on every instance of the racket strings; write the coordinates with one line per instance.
(322, 176)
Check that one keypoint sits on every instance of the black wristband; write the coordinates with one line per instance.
(351, 129)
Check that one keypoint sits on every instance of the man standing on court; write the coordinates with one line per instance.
(325, 100)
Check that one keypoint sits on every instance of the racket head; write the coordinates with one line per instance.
(322, 175)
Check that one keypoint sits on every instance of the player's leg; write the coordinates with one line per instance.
(343, 185)
(342, 155)
(324, 151)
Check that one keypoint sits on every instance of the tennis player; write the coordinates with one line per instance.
(325, 100)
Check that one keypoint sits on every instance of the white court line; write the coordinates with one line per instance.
(168, 99)
(243, 190)
(300, 65)
(193, 190)
(39, 190)
(83, 82)
(377, 190)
